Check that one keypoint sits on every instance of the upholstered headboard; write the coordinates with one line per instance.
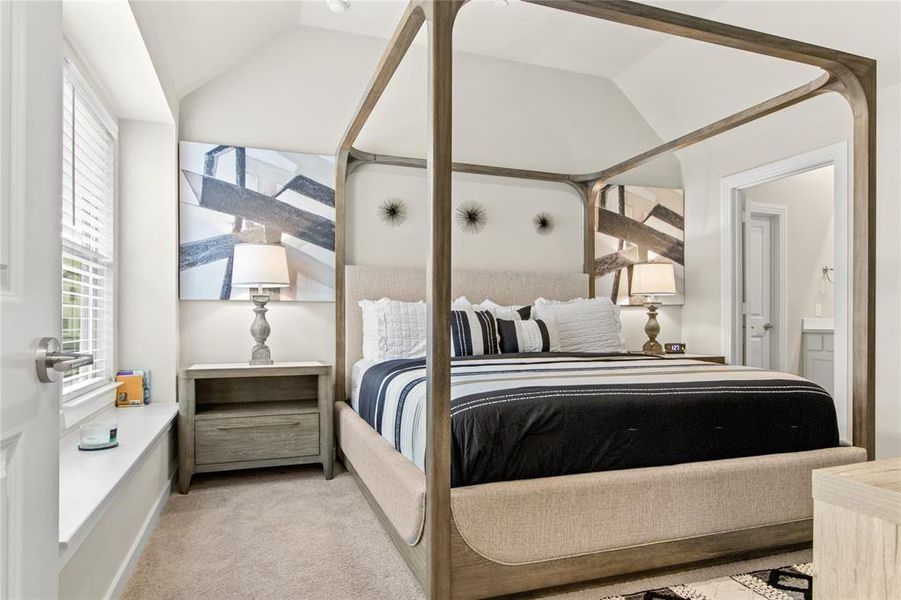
(409, 284)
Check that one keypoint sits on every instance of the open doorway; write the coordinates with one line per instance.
(785, 270)
(788, 241)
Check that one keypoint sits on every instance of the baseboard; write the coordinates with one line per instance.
(117, 586)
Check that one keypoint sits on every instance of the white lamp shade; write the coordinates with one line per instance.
(260, 265)
(653, 279)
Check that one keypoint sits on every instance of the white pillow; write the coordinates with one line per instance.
(509, 313)
(462, 303)
(591, 325)
(393, 329)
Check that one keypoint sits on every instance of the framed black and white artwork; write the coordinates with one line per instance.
(230, 195)
(638, 224)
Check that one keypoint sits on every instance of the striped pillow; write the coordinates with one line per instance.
(527, 336)
(473, 333)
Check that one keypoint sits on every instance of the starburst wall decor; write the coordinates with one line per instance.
(393, 211)
(544, 223)
(471, 217)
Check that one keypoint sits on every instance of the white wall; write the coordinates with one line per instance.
(808, 198)
(148, 253)
(888, 266)
(508, 241)
(300, 92)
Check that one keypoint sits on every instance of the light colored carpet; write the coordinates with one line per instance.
(288, 533)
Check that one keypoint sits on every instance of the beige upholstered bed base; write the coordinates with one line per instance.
(694, 512)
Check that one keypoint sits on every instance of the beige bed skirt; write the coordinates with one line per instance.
(520, 522)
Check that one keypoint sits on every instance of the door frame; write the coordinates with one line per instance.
(838, 156)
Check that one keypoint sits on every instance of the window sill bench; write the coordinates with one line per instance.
(80, 409)
(88, 481)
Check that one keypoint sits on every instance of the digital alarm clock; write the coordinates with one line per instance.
(674, 348)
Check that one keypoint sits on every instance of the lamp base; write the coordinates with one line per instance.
(261, 356)
(652, 329)
(652, 347)
(260, 330)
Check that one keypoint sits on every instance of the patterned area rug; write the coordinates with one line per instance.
(785, 583)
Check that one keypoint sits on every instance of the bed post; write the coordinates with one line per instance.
(589, 200)
(440, 15)
(341, 160)
(857, 83)
(594, 215)
(398, 45)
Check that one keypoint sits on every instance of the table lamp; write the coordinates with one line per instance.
(260, 266)
(651, 280)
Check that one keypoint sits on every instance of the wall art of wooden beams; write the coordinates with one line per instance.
(853, 77)
(232, 195)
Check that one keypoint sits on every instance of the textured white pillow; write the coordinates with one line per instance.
(510, 313)
(591, 325)
(462, 303)
(393, 329)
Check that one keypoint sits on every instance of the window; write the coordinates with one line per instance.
(88, 202)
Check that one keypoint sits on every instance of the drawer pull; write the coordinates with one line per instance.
(257, 425)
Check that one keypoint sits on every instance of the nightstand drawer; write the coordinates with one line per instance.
(256, 438)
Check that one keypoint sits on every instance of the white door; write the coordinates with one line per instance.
(758, 291)
(30, 159)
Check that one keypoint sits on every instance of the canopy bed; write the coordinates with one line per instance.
(501, 533)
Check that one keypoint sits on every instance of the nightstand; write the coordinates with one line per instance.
(241, 416)
(857, 530)
(711, 358)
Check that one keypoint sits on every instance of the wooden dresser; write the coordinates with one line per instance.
(857, 531)
(241, 416)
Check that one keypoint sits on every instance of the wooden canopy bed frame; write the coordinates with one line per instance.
(431, 524)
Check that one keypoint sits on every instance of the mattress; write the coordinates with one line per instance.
(525, 416)
(359, 369)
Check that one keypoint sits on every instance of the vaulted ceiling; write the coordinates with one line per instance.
(201, 39)
(676, 84)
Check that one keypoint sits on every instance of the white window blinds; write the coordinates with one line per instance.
(88, 200)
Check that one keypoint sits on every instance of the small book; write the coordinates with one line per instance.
(135, 388)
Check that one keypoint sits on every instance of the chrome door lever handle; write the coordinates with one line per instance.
(50, 360)
(767, 326)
